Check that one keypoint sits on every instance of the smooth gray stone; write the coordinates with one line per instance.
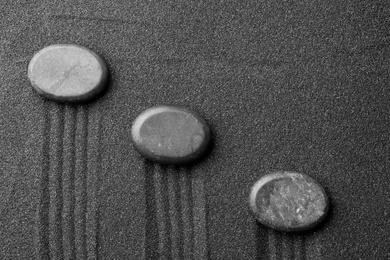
(68, 73)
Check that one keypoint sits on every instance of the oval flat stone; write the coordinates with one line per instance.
(67, 73)
(288, 201)
(170, 135)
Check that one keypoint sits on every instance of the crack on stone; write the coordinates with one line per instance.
(65, 75)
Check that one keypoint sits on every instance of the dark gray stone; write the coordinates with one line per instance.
(171, 135)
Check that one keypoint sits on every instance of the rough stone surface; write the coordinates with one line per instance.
(172, 135)
(67, 72)
(289, 201)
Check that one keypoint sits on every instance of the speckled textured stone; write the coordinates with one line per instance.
(171, 135)
(67, 72)
(288, 201)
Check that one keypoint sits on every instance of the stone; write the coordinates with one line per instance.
(288, 201)
(171, 135)
(67, 73)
